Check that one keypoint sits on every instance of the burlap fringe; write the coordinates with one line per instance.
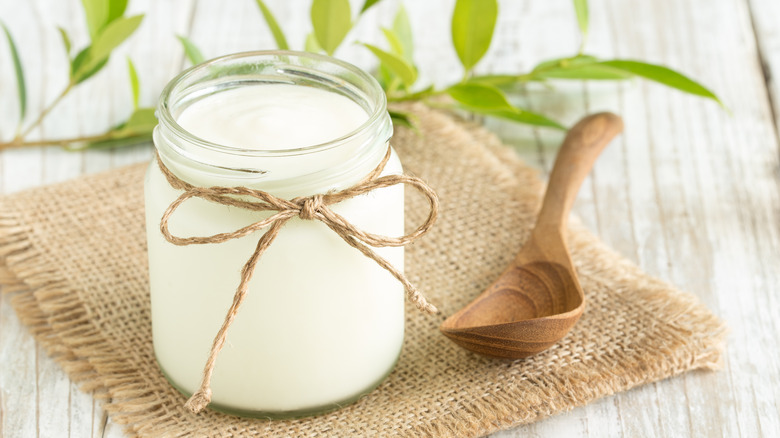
(58, 321)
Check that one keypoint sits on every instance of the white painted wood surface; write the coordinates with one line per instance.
(689, 192)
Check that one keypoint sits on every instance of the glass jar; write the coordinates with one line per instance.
(322, 324)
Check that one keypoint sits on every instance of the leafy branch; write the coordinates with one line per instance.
(108, 28)
(472, 27)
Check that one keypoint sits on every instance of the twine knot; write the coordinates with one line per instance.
(310, 206)
(315, 207)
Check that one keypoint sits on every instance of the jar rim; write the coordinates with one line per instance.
(372, 87)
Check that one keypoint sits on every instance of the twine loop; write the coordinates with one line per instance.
(315, 207)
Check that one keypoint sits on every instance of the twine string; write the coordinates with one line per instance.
(314, 207)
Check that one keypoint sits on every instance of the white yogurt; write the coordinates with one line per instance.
(272, 117)
(322, 324)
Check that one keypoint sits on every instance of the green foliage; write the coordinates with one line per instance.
(65, 41)
(101, 13)
(482, 96)
(21, 87)
(78, 73)
(396, 67)
(136, 129)
(581, 10)
(526, 117)
(141, 121)
(368, 5)
(577, 67)
(114, 34)
(402, 118)
(395, 43)
(108, 28)
(396, 64)
(473, 22)
(311, 44)
(191, 51)
(662, 75)
(402, 30)
(135, 87)
(273, 25)
(472, 28)
(331, 20)
(489, 100)
(109, 143)
(96, 12)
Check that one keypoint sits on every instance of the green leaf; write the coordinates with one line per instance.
(482, 96)
(77, 67)
(487, 99)
(662, 75)
(332, 21)
(395, 43)
(116, 8)
(417, 95)
(367, 5)
(522, 116)
(403, 30)
(385, 77)
(96, 12)
(191, 50)
(495, 80)
(569, 61)
(395, 63)
(134, 86)
(311, 44)
(577, 67)
(65, 41)
(273, 25)
(137, 129)
(581, 8)
(586, 71)
(473, 22)
(21, 86)
(402, 118)
(112, 36)
(140, 122)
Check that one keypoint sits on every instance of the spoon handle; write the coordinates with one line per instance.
(578, 153)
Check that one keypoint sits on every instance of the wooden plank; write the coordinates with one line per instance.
(675, 208)
(17, 385)
(54, 388)
(765, 15)
(21, 169)
(674, 178)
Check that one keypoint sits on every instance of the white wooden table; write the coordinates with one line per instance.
(689, 192)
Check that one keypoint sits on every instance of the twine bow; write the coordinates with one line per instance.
(315, 207)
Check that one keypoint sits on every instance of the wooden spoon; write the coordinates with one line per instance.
(538, 298)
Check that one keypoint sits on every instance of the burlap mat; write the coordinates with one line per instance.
(74, 260)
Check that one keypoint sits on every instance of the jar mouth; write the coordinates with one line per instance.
(281, 61)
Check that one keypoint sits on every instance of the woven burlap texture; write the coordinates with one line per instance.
(74, 260)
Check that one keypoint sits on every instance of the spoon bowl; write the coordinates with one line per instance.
(536, 301)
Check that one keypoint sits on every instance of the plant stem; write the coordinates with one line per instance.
(42, 115)
(18, 143)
